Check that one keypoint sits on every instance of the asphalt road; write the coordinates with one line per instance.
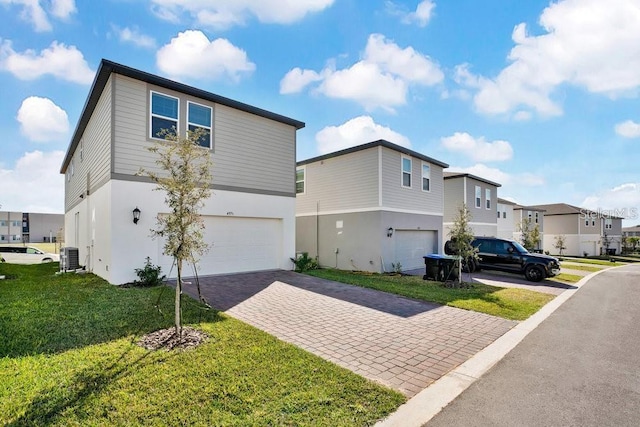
(580, 367)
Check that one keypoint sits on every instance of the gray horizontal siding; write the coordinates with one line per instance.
(481, 214)
(249, 151)
(96, 152)
(341, 183)
(414, 199)
(453, 198)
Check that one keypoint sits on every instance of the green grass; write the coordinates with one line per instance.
(68, 358)
(594, 261)
(581, 267)
(509, 303)
(569, 278)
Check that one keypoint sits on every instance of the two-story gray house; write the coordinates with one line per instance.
(370, 206)
(586, 232)
(249, 219)
(480, 195)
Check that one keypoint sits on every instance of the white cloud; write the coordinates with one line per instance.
(223, 14)
(623, 201)
(297, 79)
(34, 184)
(63, 8)
(421, 16)
(591, 44)
(380, 79)
(507, 180)
(33, 11)
(41, 120)
(356, 131)
(61, 61)
(190, 54)
(478, 149)
(522, 116)
(628, 129)
(134, 36)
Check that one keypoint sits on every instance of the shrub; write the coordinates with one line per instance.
(304, 262)
(149, 275)
(396, 267)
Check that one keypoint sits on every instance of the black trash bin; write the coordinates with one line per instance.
(440, 267)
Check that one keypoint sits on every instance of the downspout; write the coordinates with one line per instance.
(317, 231)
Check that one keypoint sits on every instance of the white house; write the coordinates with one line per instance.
(250, 218)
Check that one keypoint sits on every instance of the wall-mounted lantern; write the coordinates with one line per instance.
(389, 231)
(136, 215)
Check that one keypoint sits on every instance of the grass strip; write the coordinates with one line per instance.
(509, 303)
(68, 358)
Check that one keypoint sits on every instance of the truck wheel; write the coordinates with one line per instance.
(534, 273)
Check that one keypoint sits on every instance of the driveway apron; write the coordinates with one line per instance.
(402, 343)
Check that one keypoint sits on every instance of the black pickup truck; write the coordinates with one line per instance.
(510, 256)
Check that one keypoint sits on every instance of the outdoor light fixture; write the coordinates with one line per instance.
(390, 232)
(136, 215)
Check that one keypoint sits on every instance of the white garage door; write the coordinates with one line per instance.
(412, 245)
(239, 244)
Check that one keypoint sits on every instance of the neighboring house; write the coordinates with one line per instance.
(250, 218)
(535, 216)
(29, 227)
(586, 232)
(631, 231)
(481, 197)
(505, 219)
(370, 206)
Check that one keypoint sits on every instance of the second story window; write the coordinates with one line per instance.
(608, 224)
(537, 217)
(478, 196)
(426, 177)
(164, 114)
(300, 181)
(487, 197)
(199, 117)
(406, 172)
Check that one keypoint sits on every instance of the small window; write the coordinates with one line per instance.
(537, 217)
(406, 172)
(199, 117)
(504, 214)
(608, 223)
(498, 214)
(586, 223)
(3, 223)
(478, 197)
(426, 177)
(164, 114)
(300, 181)
(487, 196)
(529, 215)
(593, 222)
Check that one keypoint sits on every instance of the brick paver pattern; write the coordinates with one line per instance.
(402, 343)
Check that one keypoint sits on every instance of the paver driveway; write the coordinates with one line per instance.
(402, 343)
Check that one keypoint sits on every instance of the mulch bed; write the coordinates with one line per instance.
(167, 339)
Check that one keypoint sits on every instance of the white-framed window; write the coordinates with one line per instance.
(3, 223)
(164, 114)
(498, 214)
(487, 198)
(593, 222)
(586, 223)
(504, 214)
(406, 171)
(300, 187)
(608, 224)
(426, 177)
(478, 196)
(200, 117)
(15, 223)
(529, 215)
(537, 217)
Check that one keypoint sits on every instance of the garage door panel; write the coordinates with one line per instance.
(412, 245)
(240, 244)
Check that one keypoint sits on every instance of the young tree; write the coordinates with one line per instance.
(633, 241)
(186, 181)
(560, 243)
(461, 235)
(530, 236)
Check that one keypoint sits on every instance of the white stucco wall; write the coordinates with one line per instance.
(131, 243)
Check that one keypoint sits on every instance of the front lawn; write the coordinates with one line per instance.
(68, 356)
(509, 303)
(576, 266)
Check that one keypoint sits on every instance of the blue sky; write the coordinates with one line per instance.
(541, 97)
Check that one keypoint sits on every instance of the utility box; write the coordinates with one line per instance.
(69, 259)
(440, 267)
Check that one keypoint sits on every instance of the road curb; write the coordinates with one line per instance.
(426, 404)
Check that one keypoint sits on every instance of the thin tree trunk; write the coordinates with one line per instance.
(178, 295)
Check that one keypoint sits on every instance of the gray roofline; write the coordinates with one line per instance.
(506, 202)
(108, 67)
(378, 143)
(450, 175)
(576, 210)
